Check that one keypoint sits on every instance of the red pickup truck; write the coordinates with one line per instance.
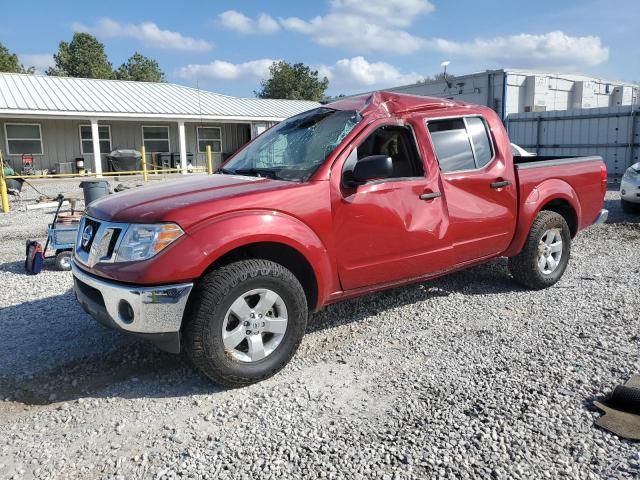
(359, 195)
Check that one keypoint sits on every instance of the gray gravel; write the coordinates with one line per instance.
(468, 376)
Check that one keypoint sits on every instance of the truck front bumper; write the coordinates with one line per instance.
(630, 189)
(152, 313)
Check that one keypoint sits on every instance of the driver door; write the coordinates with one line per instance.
(392, 229)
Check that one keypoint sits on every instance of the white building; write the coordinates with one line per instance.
(57, 120)
(518, 91)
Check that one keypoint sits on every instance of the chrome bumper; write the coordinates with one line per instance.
(138, 310)
(602, 216)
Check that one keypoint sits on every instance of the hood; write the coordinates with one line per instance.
(184, 201)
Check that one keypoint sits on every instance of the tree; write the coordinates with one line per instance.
(83, 57)
(293, 82)
(9, 62)
(140, 69)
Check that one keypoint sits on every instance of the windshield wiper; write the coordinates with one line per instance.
(255, 172)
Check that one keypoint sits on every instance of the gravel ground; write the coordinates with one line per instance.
(468, 376)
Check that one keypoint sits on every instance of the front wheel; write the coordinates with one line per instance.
(546, 252)
(245, 322)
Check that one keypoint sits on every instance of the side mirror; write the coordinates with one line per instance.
(373, 167)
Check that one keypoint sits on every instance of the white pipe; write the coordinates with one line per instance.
(95, 137)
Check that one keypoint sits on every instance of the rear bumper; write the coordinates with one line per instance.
(152, 313)
(602, 216)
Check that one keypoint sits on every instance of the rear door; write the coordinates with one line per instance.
(479, 186)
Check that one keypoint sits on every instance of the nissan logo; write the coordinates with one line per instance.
(87, 235)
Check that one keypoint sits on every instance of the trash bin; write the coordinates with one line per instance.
(164, 160)
(94, 189)
(175, 160)
(124, 160)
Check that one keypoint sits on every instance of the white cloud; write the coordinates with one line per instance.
(221, 70)
(553, 49)
(382, 26)
(41, 61)
(400, 13)
(234, 20)
(355, 33)
(346, 75)
(353, 73)
(146, 32)
(375, 25)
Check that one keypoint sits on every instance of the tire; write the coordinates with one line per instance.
(63, 260)
(210, 311)
(525, 267)
(629, 207)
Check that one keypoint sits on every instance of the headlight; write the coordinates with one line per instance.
(631, 173)
(141, 242)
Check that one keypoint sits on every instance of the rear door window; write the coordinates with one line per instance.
(460, 143)
(480, 141)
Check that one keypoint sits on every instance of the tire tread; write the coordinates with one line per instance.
(212, 290)
(523, 271)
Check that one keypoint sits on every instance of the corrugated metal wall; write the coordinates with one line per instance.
(234, 135)
(61, 140)
(613, 133)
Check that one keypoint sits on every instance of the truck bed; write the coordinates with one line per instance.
(548, 160)
(555, 172)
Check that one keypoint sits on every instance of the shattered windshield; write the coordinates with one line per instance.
(294, 149)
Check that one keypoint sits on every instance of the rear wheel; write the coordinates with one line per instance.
(545, 255)
(246, 322)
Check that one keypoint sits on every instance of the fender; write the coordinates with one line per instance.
(539, 196)
(226, 232)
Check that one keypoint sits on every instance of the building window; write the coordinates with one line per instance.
(156, 139)
(86, 140)
(461, 143)
(209, 136)
(23, 138)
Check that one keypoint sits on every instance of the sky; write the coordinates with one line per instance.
(360, 45)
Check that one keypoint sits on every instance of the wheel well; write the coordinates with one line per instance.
(564, 208)
(285, 255)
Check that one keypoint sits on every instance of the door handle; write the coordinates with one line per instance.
(503, 183)
(430, 196)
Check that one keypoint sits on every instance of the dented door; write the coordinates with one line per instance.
(390, 231)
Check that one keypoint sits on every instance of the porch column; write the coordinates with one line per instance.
(182, 145)
(95, 137)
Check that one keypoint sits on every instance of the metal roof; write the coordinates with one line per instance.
(40, 95)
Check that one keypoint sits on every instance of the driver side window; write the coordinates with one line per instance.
(393, 141)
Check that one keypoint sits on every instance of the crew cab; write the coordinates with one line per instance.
(360, 195)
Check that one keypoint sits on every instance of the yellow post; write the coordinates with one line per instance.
(144, 163)
(3, 188)
(209, 165)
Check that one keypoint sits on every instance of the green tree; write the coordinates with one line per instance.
(83, 57)
(141, 69)
(9, 62)
(293, 82)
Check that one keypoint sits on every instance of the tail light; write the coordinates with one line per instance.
(603, 177)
